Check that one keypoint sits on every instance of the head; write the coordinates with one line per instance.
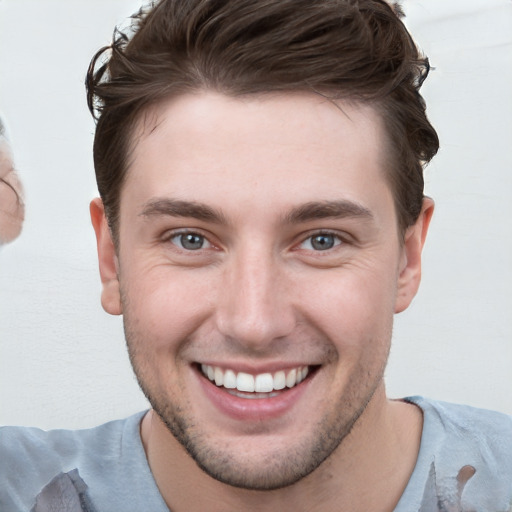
(262, 219)
(352, 50)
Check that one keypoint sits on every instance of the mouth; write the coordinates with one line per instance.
(258, 386)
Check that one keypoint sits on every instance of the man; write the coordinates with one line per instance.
(261, 220)
(12, 209)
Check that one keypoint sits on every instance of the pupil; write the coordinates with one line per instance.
(323, 242)
(191, 241)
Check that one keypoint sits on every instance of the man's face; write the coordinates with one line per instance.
(258, 243)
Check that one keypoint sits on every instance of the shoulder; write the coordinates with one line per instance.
(465, 457)
(28, 443)
(31, 457)
(470, 425)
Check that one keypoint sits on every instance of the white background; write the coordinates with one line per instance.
(62, 359)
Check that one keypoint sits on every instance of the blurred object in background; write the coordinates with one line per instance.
(12, 208)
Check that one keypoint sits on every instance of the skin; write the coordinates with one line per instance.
(12, 209)
(258, 295)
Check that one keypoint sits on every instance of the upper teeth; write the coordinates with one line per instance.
(261, 383)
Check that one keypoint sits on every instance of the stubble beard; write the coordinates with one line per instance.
(273, 471)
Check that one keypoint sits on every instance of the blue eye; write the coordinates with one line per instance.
(190, 241)
(321, 242)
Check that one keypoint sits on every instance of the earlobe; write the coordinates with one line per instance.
(107, 258)
(410, 267)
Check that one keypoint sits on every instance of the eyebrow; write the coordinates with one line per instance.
(314, 210)
(317, 210)
(178, 208)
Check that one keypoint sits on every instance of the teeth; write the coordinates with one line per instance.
(245, 382)
(218, 376)
(301, 374)
(230, 379)
(261, 383)
(264, 383)
(291, 379)
(279, 380)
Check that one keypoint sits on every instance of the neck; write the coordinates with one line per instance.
(368, 471)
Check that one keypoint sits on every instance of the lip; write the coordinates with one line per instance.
(252, 409)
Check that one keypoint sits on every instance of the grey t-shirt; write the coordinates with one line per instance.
(464, 465)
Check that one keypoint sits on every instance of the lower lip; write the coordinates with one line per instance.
(252, 409)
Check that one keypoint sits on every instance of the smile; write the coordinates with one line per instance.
(260, 383)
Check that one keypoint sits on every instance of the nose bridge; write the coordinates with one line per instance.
(255, 308)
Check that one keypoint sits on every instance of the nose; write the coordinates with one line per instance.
(255, 305)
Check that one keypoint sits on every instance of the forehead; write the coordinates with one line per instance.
(281, 148)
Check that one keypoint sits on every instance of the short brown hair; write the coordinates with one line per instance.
(342, 49)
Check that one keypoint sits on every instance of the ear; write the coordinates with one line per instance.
(107, 258)
(410, 265)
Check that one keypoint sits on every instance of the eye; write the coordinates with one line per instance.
(321, 242)
(190, 241)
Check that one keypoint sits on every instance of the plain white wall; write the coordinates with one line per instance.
(62, 359)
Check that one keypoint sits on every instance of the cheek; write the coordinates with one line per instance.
(351, 307)
(166, 306)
